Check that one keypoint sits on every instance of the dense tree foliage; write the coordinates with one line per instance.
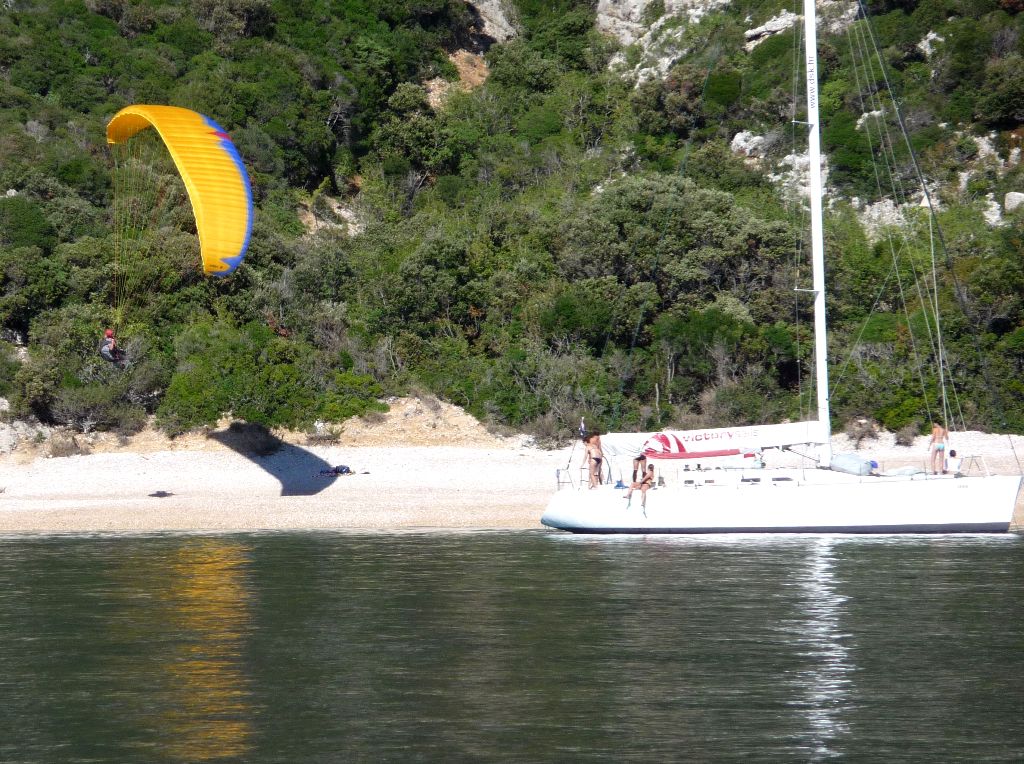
(556, 242)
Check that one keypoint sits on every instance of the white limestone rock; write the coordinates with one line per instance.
(773, 26)
(992, 212)
(1013, 200)
(837, 15)
(661, 56)
(747, 144)
(660, 43)
(793, 175)
(339, 215)
(927, 45)
(623, 19)
(8, 439)
(37, 130)
(987, 146)
(15, 433)
(877, 216)
(498, 19)
(876, 114)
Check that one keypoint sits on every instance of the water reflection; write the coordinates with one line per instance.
(825, 686)
(510, 647)
(199, 620)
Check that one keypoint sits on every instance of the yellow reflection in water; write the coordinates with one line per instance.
(203, 709)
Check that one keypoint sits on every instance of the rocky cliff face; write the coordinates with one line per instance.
(495, 19)
(658, 34)
(658, 37)
(653, 34)
(630, 20)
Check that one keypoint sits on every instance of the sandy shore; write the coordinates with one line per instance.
(426, 487)
(475, 481)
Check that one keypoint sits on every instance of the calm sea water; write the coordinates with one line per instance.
(511, 647)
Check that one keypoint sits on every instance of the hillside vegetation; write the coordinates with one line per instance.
(554, 243)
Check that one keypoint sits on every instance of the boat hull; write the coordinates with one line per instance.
(827, 502)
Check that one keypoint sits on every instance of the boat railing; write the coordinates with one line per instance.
(563, 478)
(974, 463)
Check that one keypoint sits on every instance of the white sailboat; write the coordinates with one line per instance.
(823, 498)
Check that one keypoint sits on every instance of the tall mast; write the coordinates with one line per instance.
(817, 235)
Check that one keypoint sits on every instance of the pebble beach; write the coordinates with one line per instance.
(421, 466)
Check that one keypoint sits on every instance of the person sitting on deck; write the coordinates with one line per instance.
(644, 484)
(953, 464)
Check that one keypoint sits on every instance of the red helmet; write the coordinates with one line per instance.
(108, 333)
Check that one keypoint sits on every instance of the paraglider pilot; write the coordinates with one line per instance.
(109, 349)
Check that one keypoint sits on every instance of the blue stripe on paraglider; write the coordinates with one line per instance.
(229, 147)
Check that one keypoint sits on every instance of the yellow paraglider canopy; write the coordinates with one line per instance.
(213, 174)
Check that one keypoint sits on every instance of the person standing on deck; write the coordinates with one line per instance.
(639, 467)
(595, 458)
(937, 447)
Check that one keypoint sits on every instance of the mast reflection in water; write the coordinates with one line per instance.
(823, 690)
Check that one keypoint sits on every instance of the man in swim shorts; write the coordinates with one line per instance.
(595, 458)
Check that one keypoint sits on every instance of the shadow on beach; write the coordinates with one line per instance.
(298, 470)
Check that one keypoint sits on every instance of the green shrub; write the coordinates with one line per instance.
(35, 385)
(192, 399)
(654, 11)
(9, 366)
(277, 395)
(23, 224)
(351, 395)
(94, 406)
(581, 312)
(881, 327)
(30, 282)
(769, 67)
(1001, 102)
(748, 400)
(248, 371)
(539, 122)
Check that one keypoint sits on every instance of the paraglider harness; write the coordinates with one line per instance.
(109, 350)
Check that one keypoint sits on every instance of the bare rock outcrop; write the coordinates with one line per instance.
(331, 214)
(473, 72)
(497, 20)
(660, 41)
(773, 26)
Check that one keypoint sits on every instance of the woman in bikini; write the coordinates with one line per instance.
(595, 458)
(644, 484)
(937, 446)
